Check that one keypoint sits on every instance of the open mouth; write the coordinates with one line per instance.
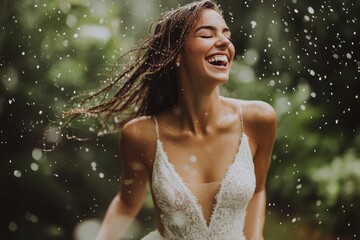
(218, 60)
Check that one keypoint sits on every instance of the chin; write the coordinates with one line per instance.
(221, 78)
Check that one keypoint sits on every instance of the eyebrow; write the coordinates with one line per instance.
(212, 28)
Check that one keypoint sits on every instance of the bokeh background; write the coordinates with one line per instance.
(302, 57)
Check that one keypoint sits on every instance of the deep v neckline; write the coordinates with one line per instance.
(191, 195)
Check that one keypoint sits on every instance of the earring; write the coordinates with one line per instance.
(177, 64)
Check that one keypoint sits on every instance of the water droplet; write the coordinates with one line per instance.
(311, 10)
(128, 181)
(253, 24)
(12, 226)
(193, 158)
(17, 173)
(34, 167)
(179, 218)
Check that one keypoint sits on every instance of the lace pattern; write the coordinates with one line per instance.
(181, 214)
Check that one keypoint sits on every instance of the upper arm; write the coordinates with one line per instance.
(264, 131)
(133, 148)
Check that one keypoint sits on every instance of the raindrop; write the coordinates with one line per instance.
(34, 167)
(311, 10)
(53, 135)
(93, 166)
(253, 24)
(193, 158)
(128, 181)
(71, 20)
(17, 173)
(12, 226)
(31, 217)
(179, 218)
(251, 57)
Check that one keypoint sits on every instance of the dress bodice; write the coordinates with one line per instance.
(181, 214)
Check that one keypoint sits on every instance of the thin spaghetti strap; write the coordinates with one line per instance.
(156, 128)
(241, 118)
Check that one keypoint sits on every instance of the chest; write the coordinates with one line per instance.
(201, 160)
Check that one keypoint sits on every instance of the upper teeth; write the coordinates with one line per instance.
(222, 58)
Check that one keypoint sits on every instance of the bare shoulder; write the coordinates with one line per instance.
(259, 118)
(260, 121)
(138, 138)
(259, 112)
(255, 111)
(138, 128)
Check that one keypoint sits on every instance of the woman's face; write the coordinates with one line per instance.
(208, 51)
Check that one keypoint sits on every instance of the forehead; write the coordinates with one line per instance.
(209, 17)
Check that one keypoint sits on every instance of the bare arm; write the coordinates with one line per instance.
(265, 127)
(127, 203)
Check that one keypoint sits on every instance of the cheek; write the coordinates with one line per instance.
(196, 49)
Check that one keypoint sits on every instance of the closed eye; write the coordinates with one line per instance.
(228, 35)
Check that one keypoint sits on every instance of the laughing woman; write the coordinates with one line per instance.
(205, 156)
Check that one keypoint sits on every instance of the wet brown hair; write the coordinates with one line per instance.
(149, 84)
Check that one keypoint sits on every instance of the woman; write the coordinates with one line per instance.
(205, 156)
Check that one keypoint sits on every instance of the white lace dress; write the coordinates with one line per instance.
(182, 215)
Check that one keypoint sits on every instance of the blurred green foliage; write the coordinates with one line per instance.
(300, 56)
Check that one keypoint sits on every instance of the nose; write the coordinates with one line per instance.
(223, 42)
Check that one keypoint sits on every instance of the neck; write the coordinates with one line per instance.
(198, 110)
